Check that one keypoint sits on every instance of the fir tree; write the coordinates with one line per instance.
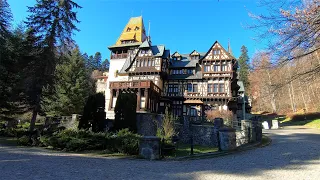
(70, 88)
(244, 66)
(53, 22)
(105, 65)
(5, 20)
(97, 61)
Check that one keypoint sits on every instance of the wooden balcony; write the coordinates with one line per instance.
(119, 56)
(134, 85)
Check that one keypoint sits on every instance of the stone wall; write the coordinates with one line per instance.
(147, 123)
(205, 135)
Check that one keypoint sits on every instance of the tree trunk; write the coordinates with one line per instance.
(34, 114)
(303, 98)
(271, 92)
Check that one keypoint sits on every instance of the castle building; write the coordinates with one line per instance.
(188, 83)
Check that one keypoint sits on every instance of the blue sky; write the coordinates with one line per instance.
(181, 25)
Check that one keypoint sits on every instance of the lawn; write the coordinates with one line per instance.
(184, 150)
(311, 120)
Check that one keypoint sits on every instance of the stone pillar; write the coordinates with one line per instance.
(110, 99)
(138, 99)
(246, 128)
(275, 124)
(149, 147)
(146, 95)
(227, 139)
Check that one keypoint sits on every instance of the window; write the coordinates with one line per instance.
(141, 63)
(137, 28)
(175, 88)
(146, 62)
(189, 71)
(189, 87)
(207, 68)
(152, 64)
(170, 89)
(221, 88)
(195, 87)
(216, 68)
(128, 29)
(224, 67)
(149, 62)
(194, 57)
(137, 63)
(215, 88)
(209, 88)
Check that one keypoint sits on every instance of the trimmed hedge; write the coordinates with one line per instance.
(123, 141)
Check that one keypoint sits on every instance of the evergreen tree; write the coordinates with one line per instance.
(125, 112)
(97, 61)
(105, 65)
(70, 87)
(53, 22)
(5, 20)
(244, 66)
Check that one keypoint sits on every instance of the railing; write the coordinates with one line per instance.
(119, 56)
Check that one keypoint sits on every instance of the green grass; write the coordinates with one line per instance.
(314, 124)
(184, 150)
(8, 141)
(308, 123)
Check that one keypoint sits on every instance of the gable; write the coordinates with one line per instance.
(217, 52)
(194, 53)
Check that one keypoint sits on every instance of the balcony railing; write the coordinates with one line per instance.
(119, 56)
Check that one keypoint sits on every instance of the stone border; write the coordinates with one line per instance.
(224, 153)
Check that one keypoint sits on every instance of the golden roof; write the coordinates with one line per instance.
(134, 30)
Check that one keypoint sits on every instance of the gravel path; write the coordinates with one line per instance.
(293, 154)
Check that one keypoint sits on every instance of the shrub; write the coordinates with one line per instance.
(24, 141)
(125, 112)
(78, 140)
(127, 142)
(91, 114)
(166, 130)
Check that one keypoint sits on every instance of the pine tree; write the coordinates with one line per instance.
(244, 66)
(70, 88)
(53, 22)
(97, 61)
(105, 65)
(5, 20)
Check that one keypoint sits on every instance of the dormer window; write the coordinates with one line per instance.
(128, 29)
(137, 28)
(179, 58)
(194, 57)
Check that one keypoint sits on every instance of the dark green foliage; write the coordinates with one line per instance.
(53, 23)
(125, 112)
(105, 65)
(5, 20)
(92, 113)
(123, 141)
(70, 89)
(244, 66)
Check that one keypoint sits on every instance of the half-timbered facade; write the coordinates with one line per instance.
(187, 83)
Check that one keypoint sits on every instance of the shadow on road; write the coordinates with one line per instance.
(291, 150)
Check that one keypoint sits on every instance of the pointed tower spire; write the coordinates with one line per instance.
(229, 48)
(133, 32)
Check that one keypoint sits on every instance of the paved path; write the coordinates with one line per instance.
(293, 154)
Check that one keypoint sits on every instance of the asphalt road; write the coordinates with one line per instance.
(293, 154)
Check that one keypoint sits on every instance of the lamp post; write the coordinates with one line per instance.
(243, 106)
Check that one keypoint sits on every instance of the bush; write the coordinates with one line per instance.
(127, 142)
(125, 112)
(123, 141)
(166, 130)
(24, 141)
